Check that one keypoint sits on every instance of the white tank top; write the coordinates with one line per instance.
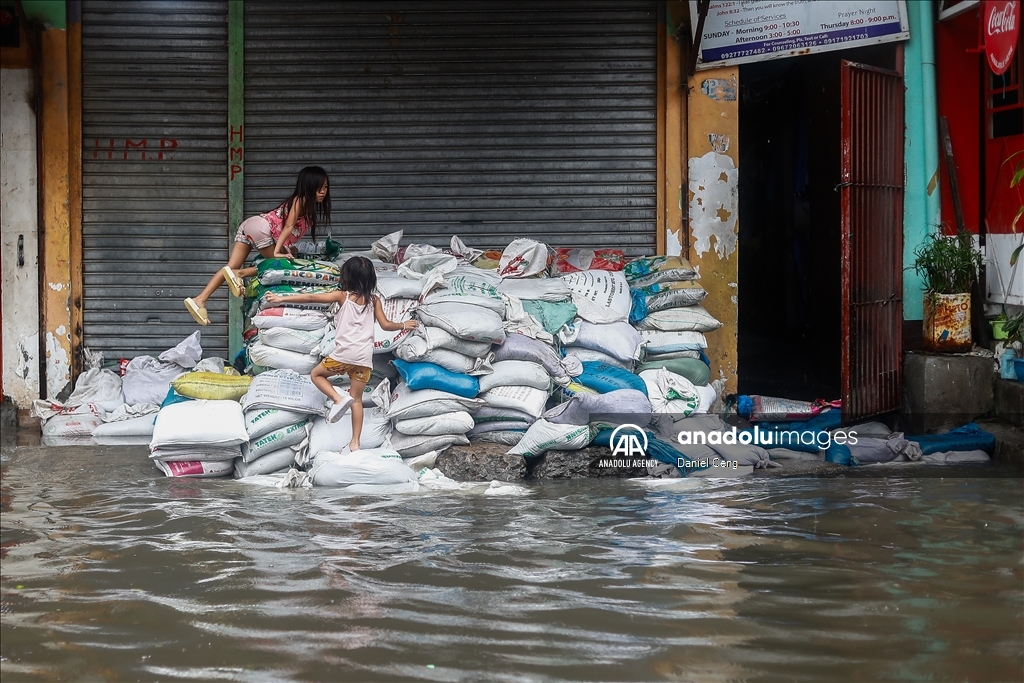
(353, 338)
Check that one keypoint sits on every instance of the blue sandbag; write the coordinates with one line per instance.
(970, 437)
(638, 308)
(430, 376)
(603, 377)
(839, 454)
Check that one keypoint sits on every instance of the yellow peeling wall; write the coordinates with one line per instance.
(713, 202)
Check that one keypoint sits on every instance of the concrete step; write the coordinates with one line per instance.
(1009, 402)
(1009, 439)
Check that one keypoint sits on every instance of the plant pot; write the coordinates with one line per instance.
(1018, 366)
(997, 329)
(947, 322)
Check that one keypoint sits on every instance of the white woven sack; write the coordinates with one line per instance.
(285, 390)
(590, 355)
(137, 426)
(427, 338)
(407, 404)
(550, 289)
(525, 399)
(277, 439)
(294, 318)
(464, 321)
(618, 340)
(393, 286)
(365, 466)
(687, 318)
(271, 357)
(659, 342)
(300, 341)
(600, 296)
(671, 393)
(265, 420)
(458, 422)
(548, 436)
(508, 438)
(265, 464)
(411, 446)
(327, 436)
(195, 452)
(215, 423)
(516, 373)
(395, 310)
(523, 258)
(453, 361)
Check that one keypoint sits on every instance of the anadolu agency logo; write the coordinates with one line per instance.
(628, 445)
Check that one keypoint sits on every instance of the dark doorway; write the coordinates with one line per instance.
(790, 321)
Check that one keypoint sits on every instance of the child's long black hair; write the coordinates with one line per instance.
(309, 182)
(359, 277)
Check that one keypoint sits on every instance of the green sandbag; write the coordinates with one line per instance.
(551, 316)
(692, 369)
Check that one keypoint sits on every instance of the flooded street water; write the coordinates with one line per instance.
(113, 572)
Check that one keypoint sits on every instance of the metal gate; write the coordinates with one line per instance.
(154, 185)
(872, 240)
(489, 120)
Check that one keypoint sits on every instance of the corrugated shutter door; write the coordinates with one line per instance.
(489, 120)
(154, 179)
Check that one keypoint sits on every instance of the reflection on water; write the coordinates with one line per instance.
(112, 572)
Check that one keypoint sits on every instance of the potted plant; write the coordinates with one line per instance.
(949, 266)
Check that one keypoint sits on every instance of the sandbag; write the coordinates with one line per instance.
(493, 413)
(618, 340)
(81, 422)
(549, 436)
(215, 423)
(574, 260)
(411, 446)
(649, 270)
(263, 421)
(293, 318)
(296, 271)
(667, 295)
(279, 438)
(100, 387)
(550, 289)
(619, 406)
(327, 436)
(687, 318)
(508, 438)
(666, 342)
(285, 390)
(273, 461)
(600, 296)
(693, 369)
(365, 466)
(467, 290)
(212, 385)
(195, 469)
(452, 361)
(522, 398)
(584, 355)
(429, 376)
(602, 378)
(464, 321)
(407, 404)
(523, 258)
(397, 287)
(426, 338)
(271, 357)
(521, 347)
(194, 452)
(146, 380)
(287, 294)
(306, 342)
(186, 354)
(552, 316)
(436, 425)
(395, 310)
(498, 426)
(670, 393)
(516, 373)
(138, 426)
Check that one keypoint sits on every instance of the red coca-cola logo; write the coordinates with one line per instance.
(1002, 25)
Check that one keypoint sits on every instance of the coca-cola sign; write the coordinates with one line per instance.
(1001, 23)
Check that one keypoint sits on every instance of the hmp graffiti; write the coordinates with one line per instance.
(146, 150)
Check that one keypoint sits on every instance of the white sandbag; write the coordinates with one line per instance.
(285, 390)
(507, 438)
(407, 404)
(525, 399)
(195, 469)
(394, 286)
(550, 289)
(491, 277)
(600, 296)
(199, 421)
(186, 354)
(488, 413)
(659, 342)
(418, 265)
(427, 338)
(195, 452)
(100, 387)
(548, 436)
(129, 412)
(277, 439)
(516, 372)
(523, 258)
(618, 340)
(458, 422)
(499, 426)
(686, 318)
(464, 321)
(263, 421)
(273, 461)
(461, 289)
(82, 422)
(395, 310)
(147, 380)
(387, 246)
(410, 446)
(138, 426)
(621, 406)
(294, 318)
(271, 357)
(326, 436)
(951, 457)
(708, 396)
(671, 393)
(521, 347)
(365, 466)
(306, 342)
(452, 361)
(464, 254)
(590, 355)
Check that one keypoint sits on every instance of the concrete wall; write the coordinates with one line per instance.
(18, 219)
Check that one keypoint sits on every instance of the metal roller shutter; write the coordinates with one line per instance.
(154, 171)
(490, 120)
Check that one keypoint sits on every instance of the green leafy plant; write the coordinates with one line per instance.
(948, 265)
(1013, 326)
(1015, 181)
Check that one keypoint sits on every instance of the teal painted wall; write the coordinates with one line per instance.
(52, 13)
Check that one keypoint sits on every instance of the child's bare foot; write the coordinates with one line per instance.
(353, 446)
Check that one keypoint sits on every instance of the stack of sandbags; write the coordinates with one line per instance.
(512, 393)
(290, 336)
(617, 343)
(276, 437)
(426, 420)
(198, 438)
(336, 436)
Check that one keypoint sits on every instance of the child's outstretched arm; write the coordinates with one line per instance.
(388, 325)
(281, 251)
(322, 298)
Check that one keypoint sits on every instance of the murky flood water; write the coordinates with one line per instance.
(112, 572)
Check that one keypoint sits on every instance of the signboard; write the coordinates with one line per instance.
(738, 32)
(1001, 25)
